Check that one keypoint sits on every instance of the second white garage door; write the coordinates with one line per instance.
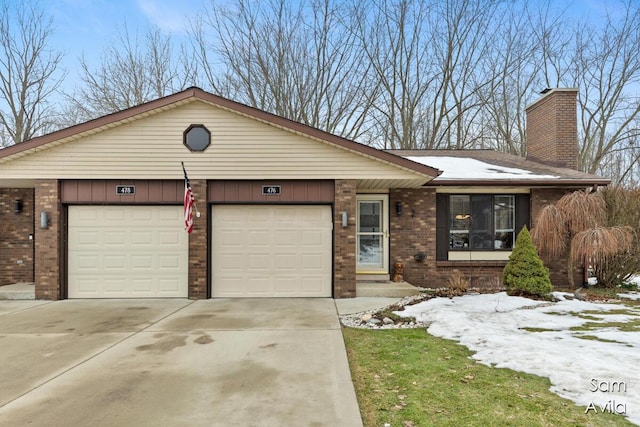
(127, 252)
(271, 251)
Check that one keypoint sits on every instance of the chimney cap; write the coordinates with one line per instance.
(547, 92)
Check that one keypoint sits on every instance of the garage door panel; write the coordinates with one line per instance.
(169, 286)
(257, 286)
(114, 286)
(86, 240)
(169, 261)
(256, 238)
(142, 286)
(142, 239)
(286, 263)
(114, 263)
(312, 285)
(232, 238)
(141, 263)
(258, 263)
(286, 286)
(260, 250)
(169, 237)
(313, 263)
(140, 252)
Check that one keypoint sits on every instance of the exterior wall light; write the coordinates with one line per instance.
(345, 218)
(17, 206)
(399, 208)
(44, 220)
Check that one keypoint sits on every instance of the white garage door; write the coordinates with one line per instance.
(271, 251)
(127, 252)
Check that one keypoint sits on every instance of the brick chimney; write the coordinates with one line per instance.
(552, 129)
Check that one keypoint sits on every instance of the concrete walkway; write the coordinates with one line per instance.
(245, 362)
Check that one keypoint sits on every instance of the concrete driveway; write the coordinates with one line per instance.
(242, 362)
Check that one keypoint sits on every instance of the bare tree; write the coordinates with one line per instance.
(134, 70)
(425, 58)
(297, 60)
(607, 71)
(525, 57)
(28, 72)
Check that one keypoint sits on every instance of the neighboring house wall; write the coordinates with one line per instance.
(16, 246)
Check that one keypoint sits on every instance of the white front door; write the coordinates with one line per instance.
(372, 234)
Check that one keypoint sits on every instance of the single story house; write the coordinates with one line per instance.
(282, 209)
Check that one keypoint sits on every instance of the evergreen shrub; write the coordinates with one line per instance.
(525, 274)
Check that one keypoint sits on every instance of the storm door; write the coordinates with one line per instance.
(372, 234)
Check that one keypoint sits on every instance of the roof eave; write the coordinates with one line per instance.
(559, 182)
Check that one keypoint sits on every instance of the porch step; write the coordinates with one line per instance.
(372, 278)
(18, 291)
(386, 289)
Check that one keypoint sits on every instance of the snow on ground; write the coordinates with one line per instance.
(593, 374)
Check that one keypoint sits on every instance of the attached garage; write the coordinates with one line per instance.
(276, 208)
(127, 252)
(271, 251)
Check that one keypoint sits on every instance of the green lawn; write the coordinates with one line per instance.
(406, 377)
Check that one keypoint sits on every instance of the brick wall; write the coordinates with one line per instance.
(48, 248)
(552, 129)
(198, 243)
(344, 249)
(415, 232)
(16, 262)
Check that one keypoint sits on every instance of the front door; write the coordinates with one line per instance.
(372, 234)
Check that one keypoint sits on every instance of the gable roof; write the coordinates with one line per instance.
(489, 167)
(196, 94)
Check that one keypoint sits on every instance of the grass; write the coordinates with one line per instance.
(528, 329)
(626, 326)
(595, 338)
(406, 377)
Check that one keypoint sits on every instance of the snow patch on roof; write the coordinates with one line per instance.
(464, 168)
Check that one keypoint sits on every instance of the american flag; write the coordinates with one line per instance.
(189, 201)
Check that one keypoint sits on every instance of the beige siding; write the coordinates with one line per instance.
(241, 148)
